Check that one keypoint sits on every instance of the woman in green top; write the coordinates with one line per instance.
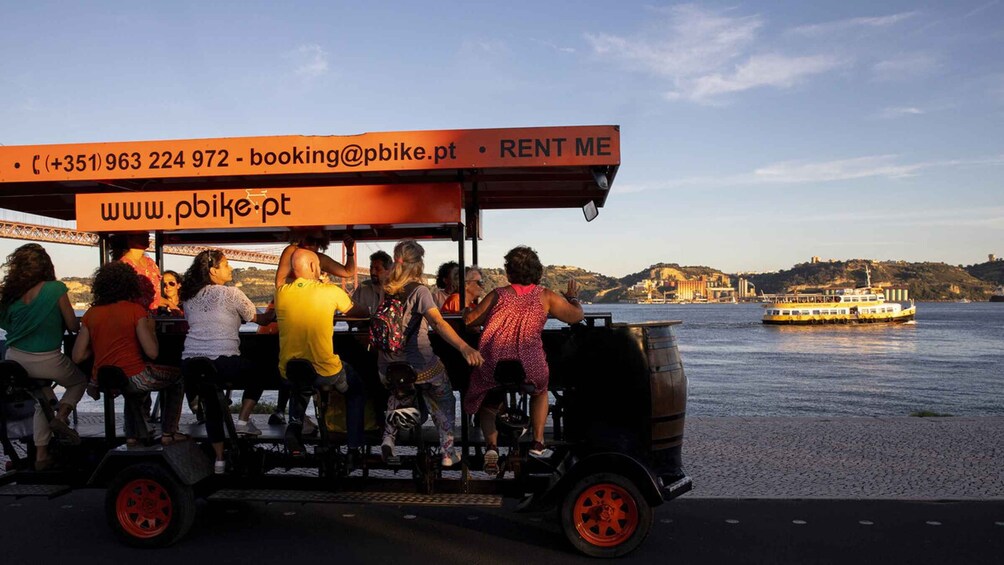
(34, 310)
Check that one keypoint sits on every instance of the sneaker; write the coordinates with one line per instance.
(450, 459)
(387, 452)
(219, 467)
(277, 419)
(309, 427)
(538, 450)
(247, 428)
(491, 461)
(64, 431)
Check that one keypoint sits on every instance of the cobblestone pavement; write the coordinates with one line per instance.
(842, 458)
(847, 458)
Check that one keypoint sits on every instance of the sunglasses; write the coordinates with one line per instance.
(170, 283)
(480, 283)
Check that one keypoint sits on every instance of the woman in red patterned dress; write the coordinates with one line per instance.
(513, 318)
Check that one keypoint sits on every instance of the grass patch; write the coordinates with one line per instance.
(928, 414)
(263, 407)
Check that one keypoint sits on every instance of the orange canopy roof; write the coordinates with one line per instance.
(541, 167)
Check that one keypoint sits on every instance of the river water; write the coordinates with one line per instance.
(950, 361)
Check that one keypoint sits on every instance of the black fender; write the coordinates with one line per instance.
(573, 469)
(188, 463)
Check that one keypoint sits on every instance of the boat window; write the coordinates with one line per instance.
(815, 312)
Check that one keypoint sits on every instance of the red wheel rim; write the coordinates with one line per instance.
(144, 508)
(605, 515)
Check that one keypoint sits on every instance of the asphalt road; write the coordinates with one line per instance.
(71, 530)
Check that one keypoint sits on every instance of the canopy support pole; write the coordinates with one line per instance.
(158, 251)
(474, 218)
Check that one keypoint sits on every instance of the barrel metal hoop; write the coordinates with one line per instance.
(667, 440)
(670, 418)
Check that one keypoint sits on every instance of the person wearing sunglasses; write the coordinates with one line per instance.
(474, 288)
(170, 285)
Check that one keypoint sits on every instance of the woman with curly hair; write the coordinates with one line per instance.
(34, 310)
(515, 317)
(117, 331)
(215, 313)
(420, 312)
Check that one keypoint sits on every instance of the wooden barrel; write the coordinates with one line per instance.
(668, 392)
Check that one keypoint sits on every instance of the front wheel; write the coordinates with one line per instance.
(147, 507)
(605, 515)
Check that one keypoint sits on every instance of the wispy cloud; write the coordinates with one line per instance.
(485, 46)
(707, 54)
(906, 66)
(762, 70)
(980, 9)
(899, 112)
(980, 217)
(808, 172)
(309, 61)
(553, 46)
(874, 22)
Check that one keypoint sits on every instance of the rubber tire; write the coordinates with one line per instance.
(182, 501)
(644, 511)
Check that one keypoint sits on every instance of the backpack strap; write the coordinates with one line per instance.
(411, 289)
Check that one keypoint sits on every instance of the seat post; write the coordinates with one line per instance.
(109, 400)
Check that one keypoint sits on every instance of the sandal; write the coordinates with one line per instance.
(173, 438)
(44, 464)
(63, 430)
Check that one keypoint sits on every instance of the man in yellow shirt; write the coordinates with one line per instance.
(305, 309)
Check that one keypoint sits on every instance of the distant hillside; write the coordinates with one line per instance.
(671, 271)
(926, 281)
(659, 271)
(991, 271)
(258, 284)
(556, 278)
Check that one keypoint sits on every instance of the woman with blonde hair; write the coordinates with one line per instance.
(35, 310)
(420, 312)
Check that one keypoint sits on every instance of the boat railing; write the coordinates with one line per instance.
(802, 298)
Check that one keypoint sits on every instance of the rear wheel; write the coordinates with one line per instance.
(605, 515)
(147, 507)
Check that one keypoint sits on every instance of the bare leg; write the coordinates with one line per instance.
(538, 415)
(64, 411)
(246, 407)
(218, 448)
(486, 417)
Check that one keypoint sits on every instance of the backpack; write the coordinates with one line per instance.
(388, 324)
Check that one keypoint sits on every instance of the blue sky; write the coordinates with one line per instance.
(754, 135)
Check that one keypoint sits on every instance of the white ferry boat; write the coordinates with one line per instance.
(845, 306)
